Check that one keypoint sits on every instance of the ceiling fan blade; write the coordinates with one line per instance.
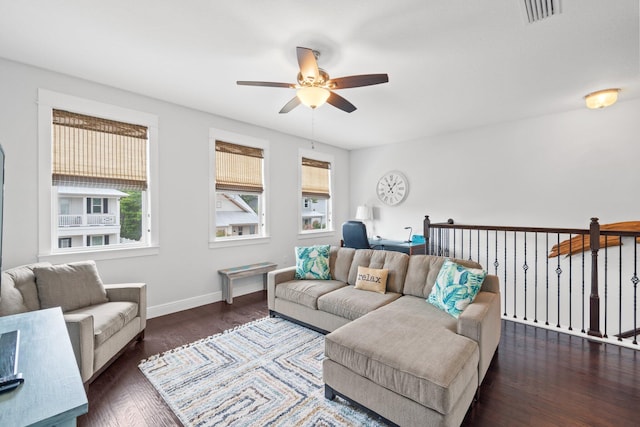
(341, 103)
(357, 81)
(267, 84)
(290, 105)
(307, 62)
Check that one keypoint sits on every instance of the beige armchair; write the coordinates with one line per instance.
(102, 320)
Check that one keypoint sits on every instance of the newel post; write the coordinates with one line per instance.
(426, 231)
(594, 298)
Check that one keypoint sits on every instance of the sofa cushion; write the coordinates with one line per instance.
(455, 288)
(422, 271)
(372, 279)
(307, 292)
(109, 318)
(395, 262)
(340, 262)
(351, 303)
(420, 358)
(69, 286)
(312, 262)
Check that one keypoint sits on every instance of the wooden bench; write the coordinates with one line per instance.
(230, 274)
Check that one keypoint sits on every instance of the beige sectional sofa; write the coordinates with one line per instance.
(101, 319)
(394, 353)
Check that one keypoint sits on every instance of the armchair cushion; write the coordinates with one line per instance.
(109, 318)
(69, 286)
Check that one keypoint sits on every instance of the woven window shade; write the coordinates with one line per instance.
(93, 152)
(238, 168)
(315, 179)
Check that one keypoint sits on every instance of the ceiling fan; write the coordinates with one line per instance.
(314, 86)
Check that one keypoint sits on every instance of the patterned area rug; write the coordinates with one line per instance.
(263, 373)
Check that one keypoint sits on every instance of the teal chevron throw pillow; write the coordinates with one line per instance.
(456, 287)
(312, 262)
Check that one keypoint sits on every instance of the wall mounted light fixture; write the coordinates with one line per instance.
(601, 98)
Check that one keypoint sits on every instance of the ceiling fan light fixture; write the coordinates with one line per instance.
(313, 96)
(601, 98)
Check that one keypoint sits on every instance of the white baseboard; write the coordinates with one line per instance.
(186, 304)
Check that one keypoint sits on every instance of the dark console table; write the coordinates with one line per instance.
(410, 248)
(52, 392)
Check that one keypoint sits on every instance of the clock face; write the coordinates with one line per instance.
(392, 188)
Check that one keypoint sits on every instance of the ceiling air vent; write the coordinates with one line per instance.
(537, 10)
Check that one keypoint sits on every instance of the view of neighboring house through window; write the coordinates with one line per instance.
(99, 180)
(239, 204)
(316, 195)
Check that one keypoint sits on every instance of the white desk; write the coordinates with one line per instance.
(52, 392)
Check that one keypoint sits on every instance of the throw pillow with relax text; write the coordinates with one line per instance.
(312, 262)
(372, 279)
(456, 287)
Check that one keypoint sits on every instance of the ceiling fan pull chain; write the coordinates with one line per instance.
(313, 128)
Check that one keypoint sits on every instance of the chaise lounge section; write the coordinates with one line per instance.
(394, 353)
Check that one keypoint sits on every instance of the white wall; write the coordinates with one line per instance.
(557, 170)
(184, 274)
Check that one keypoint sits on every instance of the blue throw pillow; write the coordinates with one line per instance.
(456, 287)
(312, 262)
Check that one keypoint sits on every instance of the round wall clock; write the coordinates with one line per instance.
(392, 188)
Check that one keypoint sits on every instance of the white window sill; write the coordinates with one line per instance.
(241, 241)
(316, 234)
(115, 253)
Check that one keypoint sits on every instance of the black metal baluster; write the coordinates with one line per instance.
(620, 292)
(606, 282)
(505, 272)
(487, 256)
(454, 242)
(515, 274)
(546, 322)
(470, 239)
(635, 281)
(535, 300)
(583, 251)
(558, 272)
(478, 246)
(525, 267)
(570, 283)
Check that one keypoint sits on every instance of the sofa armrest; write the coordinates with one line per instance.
(491, 283)
(274, 278)
(481, 321)
(80, 328)
(134, 292)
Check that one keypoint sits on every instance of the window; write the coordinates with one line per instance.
(98, 240)
(100, 159)
(316, 195)
(239, 191)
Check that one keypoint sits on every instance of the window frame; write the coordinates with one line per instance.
(239, 139)
(325, 157)
(48, 205)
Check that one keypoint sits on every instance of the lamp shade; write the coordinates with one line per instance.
(363, 213)
(312, 96)
(601, 98)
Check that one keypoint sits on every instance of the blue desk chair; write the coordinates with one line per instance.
(354, 235)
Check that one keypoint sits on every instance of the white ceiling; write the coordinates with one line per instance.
(452, 64)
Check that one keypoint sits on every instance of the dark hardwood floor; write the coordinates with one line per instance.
(538, 377)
